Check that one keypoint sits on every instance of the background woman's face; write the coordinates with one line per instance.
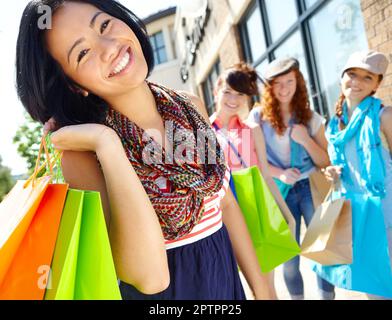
(284, 87)
(357, 84)
(231, 101)
(97, 51)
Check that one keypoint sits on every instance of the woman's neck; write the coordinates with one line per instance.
(351, 106)
(285, 111)
(138, 105)
(225, 118)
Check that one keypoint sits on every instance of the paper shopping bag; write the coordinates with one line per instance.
(370, 270)
(319, 186)
(27, 275)
(17, 211)
(83, 267)
(328, 238)
(271, 236)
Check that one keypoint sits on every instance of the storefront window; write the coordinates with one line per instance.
(261, 67)
(310, 3)
(255, 31)
(343, 19)
(326, 32)
(292, 47)
(282, 14)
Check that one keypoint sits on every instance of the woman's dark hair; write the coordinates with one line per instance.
(42, 86)
(241, 77)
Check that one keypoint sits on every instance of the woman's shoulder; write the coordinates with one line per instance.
(197, 102)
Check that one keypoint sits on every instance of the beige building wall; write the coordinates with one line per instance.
(167, 73)
(221, 39)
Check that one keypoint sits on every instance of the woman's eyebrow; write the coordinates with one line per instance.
(79, 41)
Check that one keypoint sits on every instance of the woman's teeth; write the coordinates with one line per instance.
(122, 64)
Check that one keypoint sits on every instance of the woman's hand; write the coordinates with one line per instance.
(332, 173)
(84, 137)
(290, 176)
(300, 134)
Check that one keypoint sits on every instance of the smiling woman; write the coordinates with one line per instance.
(166, 221)
(68, 56)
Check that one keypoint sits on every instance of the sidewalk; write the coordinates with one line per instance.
(310, 286)
(310, 283)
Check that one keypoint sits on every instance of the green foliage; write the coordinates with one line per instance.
(6, 180)
(28, 138)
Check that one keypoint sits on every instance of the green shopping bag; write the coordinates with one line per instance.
(271, 236)
(82, 266)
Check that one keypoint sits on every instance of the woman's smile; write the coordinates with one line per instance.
(123, 63)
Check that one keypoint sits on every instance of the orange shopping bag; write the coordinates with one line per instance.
(29, 220)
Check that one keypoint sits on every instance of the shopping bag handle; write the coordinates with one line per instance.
(335, 186)
(48, 162)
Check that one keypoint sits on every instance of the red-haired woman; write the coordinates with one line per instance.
(296, 145)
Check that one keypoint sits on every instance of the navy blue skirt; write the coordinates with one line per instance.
(204, 270)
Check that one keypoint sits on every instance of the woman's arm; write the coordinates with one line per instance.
(386, 127)
(239, 235)
(316, 146)
(264, 169)
(243, 249)
(135, 235)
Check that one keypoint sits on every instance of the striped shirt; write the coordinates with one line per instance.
(212, 219)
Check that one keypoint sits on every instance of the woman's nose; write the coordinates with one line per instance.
(109, 49)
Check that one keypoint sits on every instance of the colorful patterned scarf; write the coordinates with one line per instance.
(201, 175)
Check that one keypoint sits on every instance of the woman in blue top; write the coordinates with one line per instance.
(296, 145)
(360, 144)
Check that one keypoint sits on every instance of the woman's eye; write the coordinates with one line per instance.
(82, 54)
(105, 25)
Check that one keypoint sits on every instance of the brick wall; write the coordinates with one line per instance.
(378, 23)
(230, 51)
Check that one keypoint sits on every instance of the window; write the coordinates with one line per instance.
(321, 34)
(255, 34)
(208, 87)
(159, 48)
(310, 3)
(282, 14)
(332, 49)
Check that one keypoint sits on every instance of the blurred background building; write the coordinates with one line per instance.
(210, 35)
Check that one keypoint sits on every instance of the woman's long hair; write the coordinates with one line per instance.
(299, 107)
(43, 88)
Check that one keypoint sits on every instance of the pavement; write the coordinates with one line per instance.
(310, 283)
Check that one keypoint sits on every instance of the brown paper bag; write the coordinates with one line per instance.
(328, 239)
(319, 186)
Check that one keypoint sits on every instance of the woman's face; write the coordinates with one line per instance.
(357, 84)
(97, 51)
(284, 87)
(231, 101)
